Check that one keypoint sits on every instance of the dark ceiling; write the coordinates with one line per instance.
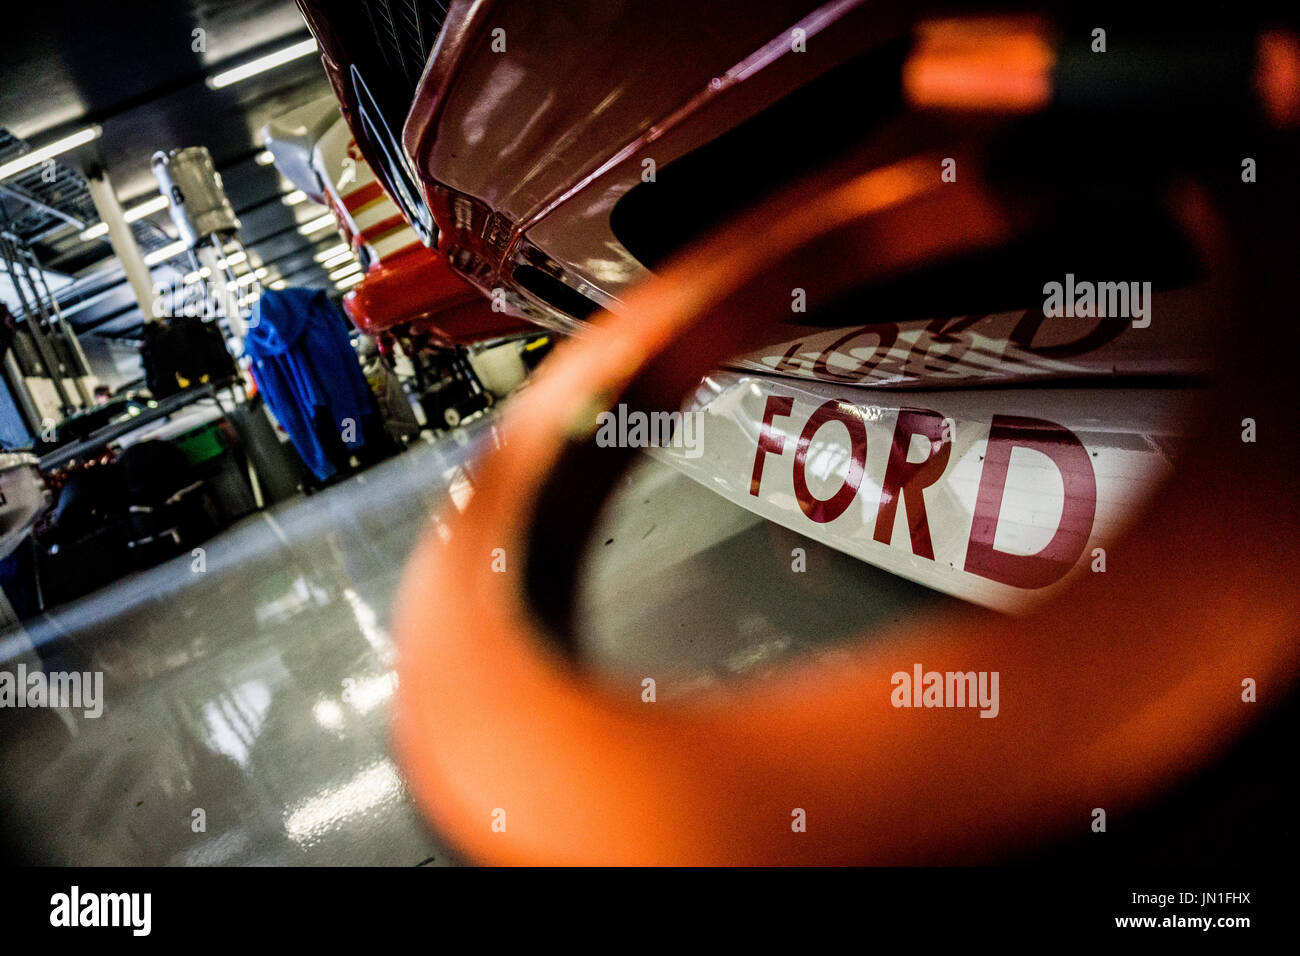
(138, 69)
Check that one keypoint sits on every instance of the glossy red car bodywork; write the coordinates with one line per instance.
(522, 152)
(411, 290)
(416, 288)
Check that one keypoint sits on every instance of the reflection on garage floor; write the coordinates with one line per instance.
(246, 705)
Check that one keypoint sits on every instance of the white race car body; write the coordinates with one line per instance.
(24, 497)
(872, 440)
(995, 496)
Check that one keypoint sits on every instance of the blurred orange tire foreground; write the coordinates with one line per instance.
(1108, 695)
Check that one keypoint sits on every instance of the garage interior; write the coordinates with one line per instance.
(252, 496)
(260, 733)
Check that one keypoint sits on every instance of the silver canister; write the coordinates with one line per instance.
(192, 185)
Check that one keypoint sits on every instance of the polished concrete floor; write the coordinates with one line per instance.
(246, 705)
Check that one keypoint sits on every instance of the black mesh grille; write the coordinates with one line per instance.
(406, 31)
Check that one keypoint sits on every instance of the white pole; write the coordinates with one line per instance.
(122, 240)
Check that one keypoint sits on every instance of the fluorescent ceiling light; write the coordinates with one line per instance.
(146, 208)
(38, 156)
(166, 252)
(345, 271)
(262, 64)
(278, 284)
(317, 224)
(332, 251)
(265, 158)
(335, 261)
(350, 281)
(295, 197)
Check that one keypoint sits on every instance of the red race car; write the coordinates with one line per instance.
(464, 353)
